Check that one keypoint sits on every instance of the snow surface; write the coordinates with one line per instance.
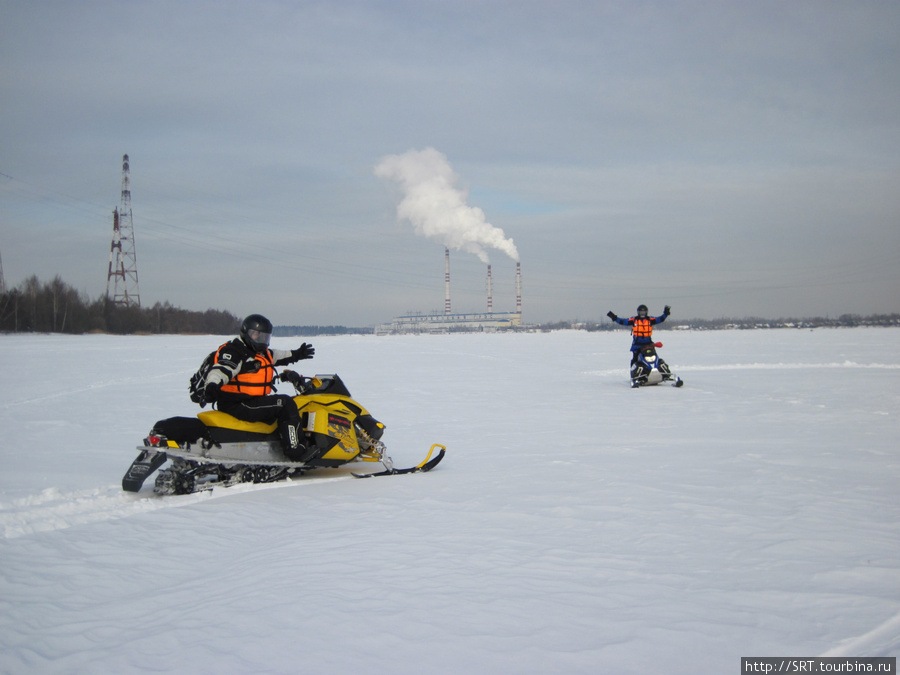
(575, 526)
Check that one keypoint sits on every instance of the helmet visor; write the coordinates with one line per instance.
(259, 338)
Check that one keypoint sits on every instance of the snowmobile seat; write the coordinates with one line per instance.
(217, 418)
(181, 429)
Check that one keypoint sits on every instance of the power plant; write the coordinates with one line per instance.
(448, 322)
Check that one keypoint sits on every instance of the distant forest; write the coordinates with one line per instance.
(56, 307)
(306, 331)
(844, 321)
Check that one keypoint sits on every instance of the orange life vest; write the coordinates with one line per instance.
(642, 328)
(257, 383)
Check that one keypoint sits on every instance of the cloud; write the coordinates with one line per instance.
(438, 209)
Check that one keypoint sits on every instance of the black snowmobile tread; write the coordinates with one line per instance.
(233, 478)
(427, 466)
(209, 485)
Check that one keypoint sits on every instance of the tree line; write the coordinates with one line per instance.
(843, 321)
(312, 331)
(55, 307)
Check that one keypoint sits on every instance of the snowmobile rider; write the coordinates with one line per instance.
(240, 383)
(641, 327)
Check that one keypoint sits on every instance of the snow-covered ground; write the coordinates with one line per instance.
(575, 526)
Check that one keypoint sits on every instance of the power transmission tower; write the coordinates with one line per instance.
(2, 280)
(122, 280)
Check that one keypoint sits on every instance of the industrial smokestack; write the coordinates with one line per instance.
(447, 280)
(490, 292)
(518, 288)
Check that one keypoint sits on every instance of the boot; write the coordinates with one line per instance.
(294, 443)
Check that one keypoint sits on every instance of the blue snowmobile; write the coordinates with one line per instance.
(648, 368)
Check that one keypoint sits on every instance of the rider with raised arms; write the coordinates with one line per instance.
(641, 327)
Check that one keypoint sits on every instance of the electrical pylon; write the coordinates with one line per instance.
(2, 279)
(122, 280)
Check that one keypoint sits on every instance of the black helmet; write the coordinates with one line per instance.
(256, 331)
(642, 310)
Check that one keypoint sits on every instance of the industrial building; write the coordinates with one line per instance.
(448, 322)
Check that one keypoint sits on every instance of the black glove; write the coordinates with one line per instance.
(612, 316)
(295, 379)
(667, 311)
(305, 351)
(212, 391)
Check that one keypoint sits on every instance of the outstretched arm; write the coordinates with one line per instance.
(616, 319)
(283, 357)
(626, 322)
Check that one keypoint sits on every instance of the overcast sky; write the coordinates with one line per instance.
(728, 158)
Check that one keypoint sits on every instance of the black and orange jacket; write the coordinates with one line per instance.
(244, 373)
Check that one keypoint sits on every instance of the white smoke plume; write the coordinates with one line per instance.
(438, 209)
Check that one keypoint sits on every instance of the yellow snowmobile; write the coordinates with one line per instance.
(215, 449)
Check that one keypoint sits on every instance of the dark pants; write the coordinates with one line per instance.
(636, 349)
(273, 408)
(268, 409)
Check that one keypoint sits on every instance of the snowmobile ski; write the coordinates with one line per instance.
(642, 381)
(426, 464)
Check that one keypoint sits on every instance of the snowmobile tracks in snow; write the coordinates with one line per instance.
(54, 509)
